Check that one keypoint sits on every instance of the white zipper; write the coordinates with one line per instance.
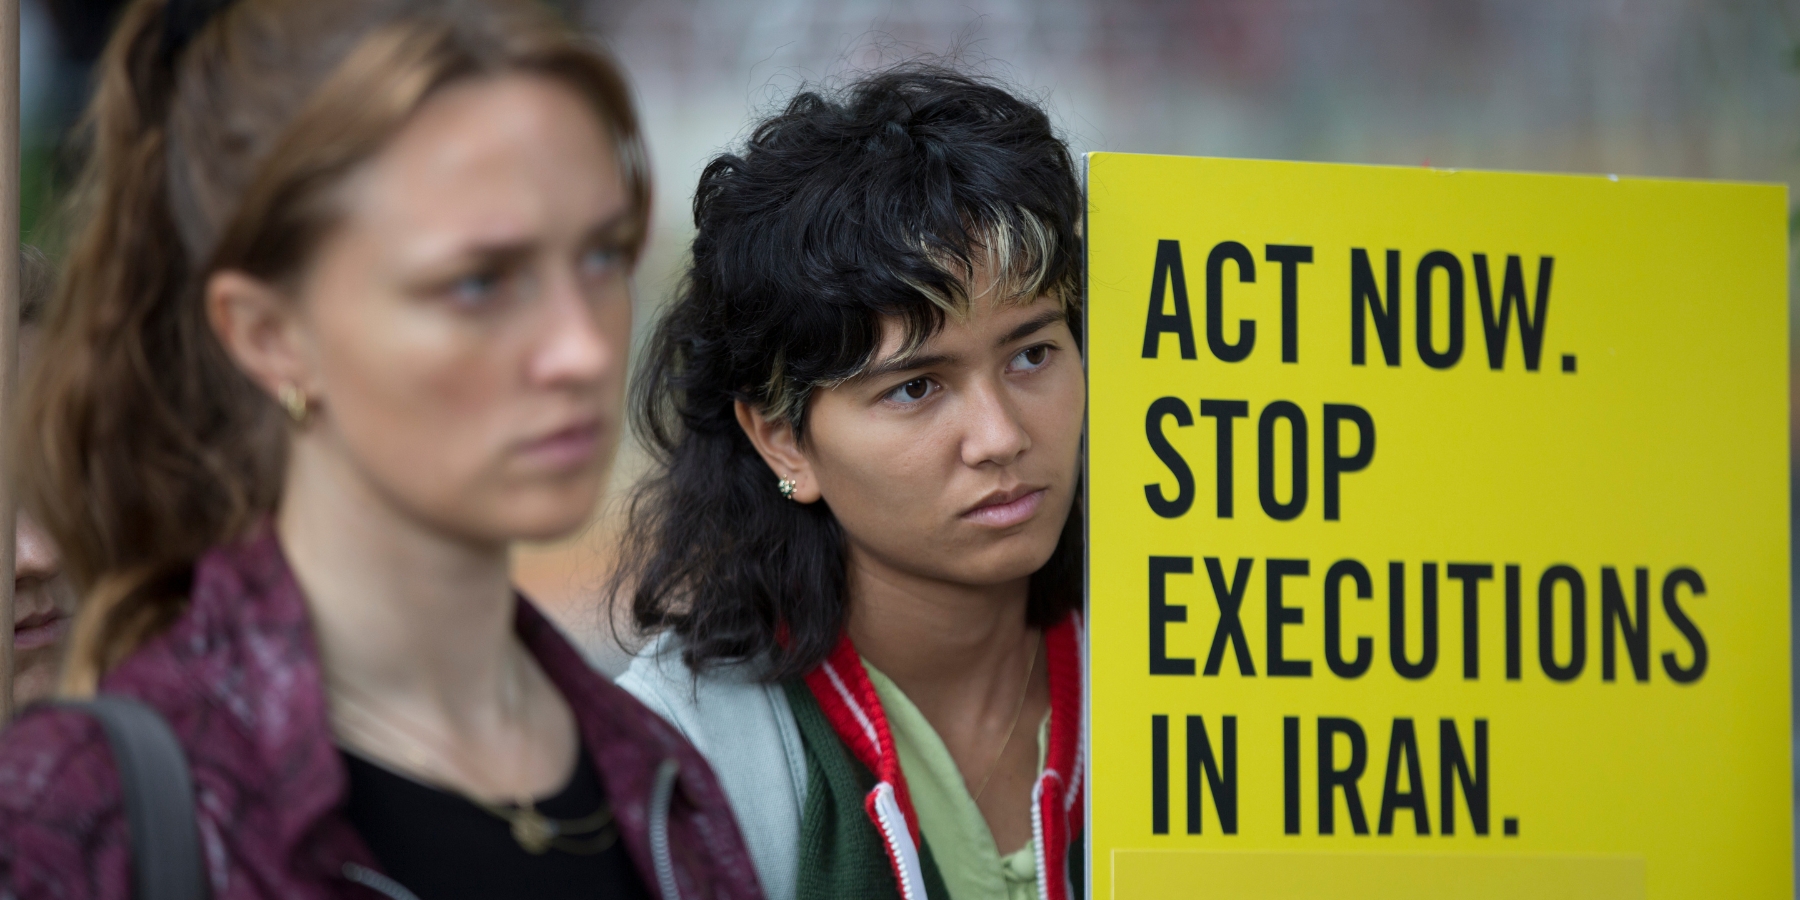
(662, 795)
(1037, 838)
(897, 835)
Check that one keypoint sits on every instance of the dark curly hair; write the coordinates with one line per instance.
(846, 209)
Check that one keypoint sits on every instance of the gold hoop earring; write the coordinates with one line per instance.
(294, 401)
(786, 486)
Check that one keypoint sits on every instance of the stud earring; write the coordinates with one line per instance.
(786, 486)
(294, 401)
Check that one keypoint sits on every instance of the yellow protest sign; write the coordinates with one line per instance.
(1438, 533)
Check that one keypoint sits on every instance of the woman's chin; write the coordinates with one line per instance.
(545, 522)
(1004, 564)
(34, 678)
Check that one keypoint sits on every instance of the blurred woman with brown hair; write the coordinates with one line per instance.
(345, 319)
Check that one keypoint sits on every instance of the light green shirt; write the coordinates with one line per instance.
(961, 844)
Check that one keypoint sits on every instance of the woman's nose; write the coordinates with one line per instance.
(36, 555)
(575, 345)
(994, 433)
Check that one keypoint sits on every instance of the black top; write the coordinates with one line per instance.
(443, 847)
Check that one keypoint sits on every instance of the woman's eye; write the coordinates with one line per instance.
(912, 391)
(475, 290)
(1032, 357)
(599, 261)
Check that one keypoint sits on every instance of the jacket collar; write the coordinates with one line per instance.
(245, 649)
(247, 646)
(849, 702)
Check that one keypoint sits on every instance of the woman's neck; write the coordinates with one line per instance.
(958, 651)
(404, 612)
(966, 658)
(415, 631)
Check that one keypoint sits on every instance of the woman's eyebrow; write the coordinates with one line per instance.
(906, 363)
(621, 227)
(500, 254)
(426, 272)
(1032, 326)
(925, 361)
(624, 226)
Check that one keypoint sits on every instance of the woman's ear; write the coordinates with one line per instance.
(259, 329)
(776, 442)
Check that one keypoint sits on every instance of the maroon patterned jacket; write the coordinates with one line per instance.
(237, 677)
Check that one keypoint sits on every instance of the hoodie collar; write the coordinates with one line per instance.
(246, 646)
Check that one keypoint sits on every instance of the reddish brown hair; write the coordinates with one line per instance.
(145, 445)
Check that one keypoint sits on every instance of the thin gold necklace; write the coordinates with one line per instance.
(1017, 710)
(355, 720)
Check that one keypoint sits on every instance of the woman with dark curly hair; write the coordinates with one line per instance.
(860, 548)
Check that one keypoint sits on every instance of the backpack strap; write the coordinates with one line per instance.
(158, 790)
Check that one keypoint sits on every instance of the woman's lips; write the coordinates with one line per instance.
(1007, 513)
(39, 629)
(569, 448)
